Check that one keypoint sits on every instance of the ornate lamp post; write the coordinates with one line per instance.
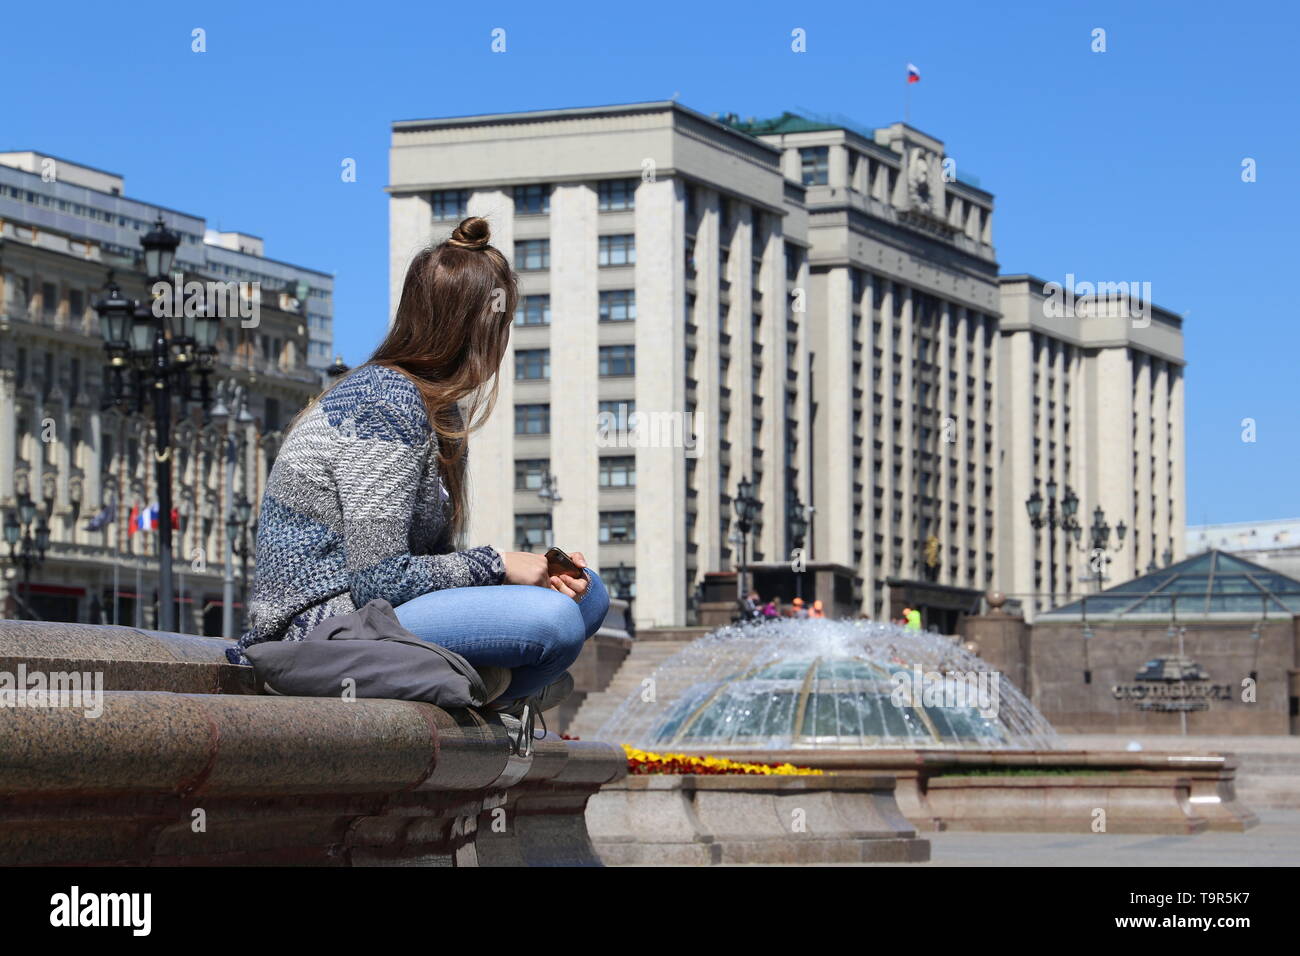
(622, 581)
(337, 368)
(221, 417)
(160, 352)
(27, 546)
(237, 537)
(746, 506)
(798, 522)
(550, 494)
(1100, 544)
(1053, 519)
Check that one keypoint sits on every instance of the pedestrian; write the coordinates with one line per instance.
(817, 610)
(913, 619)
(799, 610)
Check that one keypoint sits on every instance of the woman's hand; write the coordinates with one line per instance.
(575, 586)
(525, 568)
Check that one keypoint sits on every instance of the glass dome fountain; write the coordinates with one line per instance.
(824, 684)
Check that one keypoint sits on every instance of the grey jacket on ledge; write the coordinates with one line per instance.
(354, 510)
(367, 653)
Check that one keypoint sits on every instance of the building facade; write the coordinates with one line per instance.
(820, 304)
(1090, 396)
(63, 227)
(1274, 544)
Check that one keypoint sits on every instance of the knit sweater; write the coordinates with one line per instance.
(354, 509)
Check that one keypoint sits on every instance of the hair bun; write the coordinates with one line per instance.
(472, 233)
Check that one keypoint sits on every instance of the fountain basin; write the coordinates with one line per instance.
(1053, 791)
(699, 820)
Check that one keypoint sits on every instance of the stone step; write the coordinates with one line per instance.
(645, 657)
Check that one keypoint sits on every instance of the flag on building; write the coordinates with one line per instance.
(913, 74)
(133, 521)
(148, 519)
(104, 517)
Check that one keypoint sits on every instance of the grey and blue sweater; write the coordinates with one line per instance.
(354, 509)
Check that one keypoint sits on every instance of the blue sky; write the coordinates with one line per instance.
(1117, 165)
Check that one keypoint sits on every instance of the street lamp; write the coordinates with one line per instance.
(220, 416)
(622, 581)
(549, 492)
(237, 529)
(27, 545)
(1052, 519)
(798, 522)
(159, 355)
(1099, 534)
(746, 506)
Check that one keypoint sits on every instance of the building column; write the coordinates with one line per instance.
(660, 388)
(907, 391)
(491, 469)
(574, 374)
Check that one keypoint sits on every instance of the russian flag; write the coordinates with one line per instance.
(148, 519)
(913, 74)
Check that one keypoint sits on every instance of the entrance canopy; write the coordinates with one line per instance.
(1214, 584)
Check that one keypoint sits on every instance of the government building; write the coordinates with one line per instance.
(81, 470)
(815, 308)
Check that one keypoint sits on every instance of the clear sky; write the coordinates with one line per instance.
(1122, 165)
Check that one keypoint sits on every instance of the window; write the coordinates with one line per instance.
(529, 472)
(450, 204)
(617, 194)
(617, 360)
(814, 163)
(533, 199)
(533, 532)
(533, 310)
(618, 305)
(532, 364)
(76, 304)
(533, 254)
(533, 419)
(616, 417)
(49, 298)
(617, 251)
(617, 527)
(618, 471)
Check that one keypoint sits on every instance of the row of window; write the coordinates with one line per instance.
(615, 305)
(534, 199)
(535, 418)
(616, 471)
(533, 531)
(614, 361)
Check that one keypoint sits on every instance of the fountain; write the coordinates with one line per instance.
(827, 685)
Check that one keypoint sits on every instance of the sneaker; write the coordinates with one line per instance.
(549, 698)
(495, 679)
(521, 729)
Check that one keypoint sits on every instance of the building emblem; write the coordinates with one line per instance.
(1172, 684)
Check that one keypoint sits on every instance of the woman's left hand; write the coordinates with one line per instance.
(575, 586)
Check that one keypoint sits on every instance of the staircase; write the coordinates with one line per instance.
(650, 649)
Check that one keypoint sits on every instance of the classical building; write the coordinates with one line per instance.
(63, 227)
(1274, 544)
(822, 306)
(1090, 397)
(657, 251)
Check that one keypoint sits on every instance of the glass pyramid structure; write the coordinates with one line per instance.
(1212, 584)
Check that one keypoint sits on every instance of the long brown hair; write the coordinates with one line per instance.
(449, 336)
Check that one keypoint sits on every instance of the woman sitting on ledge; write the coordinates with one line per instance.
(368, 495)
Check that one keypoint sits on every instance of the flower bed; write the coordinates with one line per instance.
(646, 762)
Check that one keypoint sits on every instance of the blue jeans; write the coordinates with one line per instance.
(536, 632)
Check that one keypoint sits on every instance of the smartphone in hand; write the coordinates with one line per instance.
(557, 562)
